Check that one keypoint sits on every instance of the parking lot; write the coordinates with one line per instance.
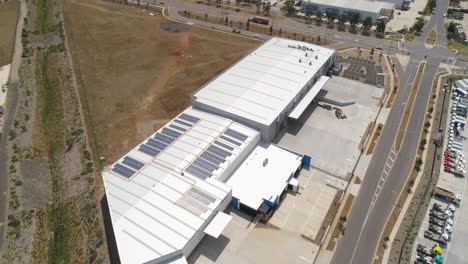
(319, 199)
(362, 70)
(334, 144)
(455, 252)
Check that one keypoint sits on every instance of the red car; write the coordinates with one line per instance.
(448, 169)
(448, 158)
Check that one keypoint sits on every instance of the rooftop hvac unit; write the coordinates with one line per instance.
(265, 162)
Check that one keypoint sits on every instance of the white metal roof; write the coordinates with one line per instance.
(217, 225)
(263, 83)
(156, 202)
(253, 182)
(372, 6)
(299, 109)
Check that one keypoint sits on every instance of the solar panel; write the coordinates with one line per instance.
(189, 118)
(226, 146)
(235, 134)
(192, 205)
(212, 158)
(156, 144)
(148, 150)
(164, 138)
(197, 172)
(124, 171)
(219, 151)
(178, 128)
(182, 122)
(201, 196)
(171, 132)
(230, 140)
(205, 165)
(131, 162)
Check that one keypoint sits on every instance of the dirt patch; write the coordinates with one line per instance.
(8, 17)
(175, 27)
(357, 180)
(44, 40)
(375, 139)
(339, 227)
(150, 72)
(36, 178)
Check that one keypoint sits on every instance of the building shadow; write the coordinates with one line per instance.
(210, 248)
(110, 236)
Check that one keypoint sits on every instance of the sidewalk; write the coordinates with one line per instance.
(4, 74)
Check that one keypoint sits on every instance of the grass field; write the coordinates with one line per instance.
(133, 75)
(8, 17)
(431, 38)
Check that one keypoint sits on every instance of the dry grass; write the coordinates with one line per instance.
(455, 46)
(431, 38)
(134, 76)
(8, 17)
(375, 139)
(336, 230)
(409, 107)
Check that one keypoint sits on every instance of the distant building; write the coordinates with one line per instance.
(366, 8)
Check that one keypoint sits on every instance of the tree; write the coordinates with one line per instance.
(419, 24)
(280, 32)
(318, 38)
(381, 26)
(206, 16)
(318, 16)
(248, 24)
(451, 27)
(271, 30)
(267, 9)
(290, 7)
(367, 22)
(355, 18)
(331, 16)
(226, 21)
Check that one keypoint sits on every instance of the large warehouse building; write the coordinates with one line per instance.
(375, 9)
(264, 87)
(171, 189)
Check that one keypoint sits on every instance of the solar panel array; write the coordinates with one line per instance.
(178, 128)
(182, 122)
(235, 134)
(219, 151)
(192, 205)
(197, 172)
(171, 132)
(124, 171)
(203, 164)
(189, 118)
(133, 163)
(230, 140)
(226, 146)
(201, 196)
(160, 141)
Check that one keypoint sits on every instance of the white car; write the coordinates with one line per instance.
(449, 221)
(448, 213)
(448, 229)
(452, 207)
(445, 236)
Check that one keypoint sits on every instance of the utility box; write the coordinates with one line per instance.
(439, 138)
